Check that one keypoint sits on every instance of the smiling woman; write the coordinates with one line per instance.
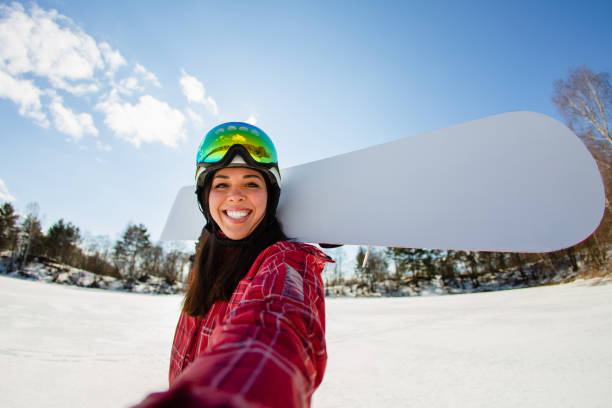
(252, 329)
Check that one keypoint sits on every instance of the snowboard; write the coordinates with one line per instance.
(517, 182)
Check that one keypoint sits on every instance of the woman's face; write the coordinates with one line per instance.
(237, 201)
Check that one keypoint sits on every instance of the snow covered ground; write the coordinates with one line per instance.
(542, 347)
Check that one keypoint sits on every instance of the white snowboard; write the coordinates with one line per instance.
(518, 181)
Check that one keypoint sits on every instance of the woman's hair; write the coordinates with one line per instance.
(220, 263)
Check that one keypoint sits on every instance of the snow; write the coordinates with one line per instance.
(540, 347)
(67, 346)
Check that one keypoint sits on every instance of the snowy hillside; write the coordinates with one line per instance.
(65, 346)
(52, 272)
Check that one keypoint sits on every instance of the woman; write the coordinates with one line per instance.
(252, 328)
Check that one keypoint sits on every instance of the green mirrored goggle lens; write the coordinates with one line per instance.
(219, 140)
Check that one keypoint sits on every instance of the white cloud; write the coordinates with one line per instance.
(192, 88)
(70, 123)
(113, 58)
(150, 120)
(44, 55)
(24, 94)
(211, 105)
(252, 120)
(47, 44)
(149, 76)
(79, 89)
(4, 193)
(194, 92)
(129, 85)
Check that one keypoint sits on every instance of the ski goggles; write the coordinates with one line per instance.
(221, 138)
(237, 138)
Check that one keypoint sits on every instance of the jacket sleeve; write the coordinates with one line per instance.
(270, 350)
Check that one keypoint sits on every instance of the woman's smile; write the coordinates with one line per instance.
(237, 215)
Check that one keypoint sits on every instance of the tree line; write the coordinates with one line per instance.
(132, 257)
(387, 269)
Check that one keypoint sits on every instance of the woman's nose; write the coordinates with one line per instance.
(235, 194)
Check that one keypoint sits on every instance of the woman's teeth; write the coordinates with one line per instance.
(237, 214)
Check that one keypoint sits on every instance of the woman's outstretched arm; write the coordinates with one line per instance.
(270, 350)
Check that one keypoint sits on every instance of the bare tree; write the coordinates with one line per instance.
(30, 229)
(153, 257)
(339, 258)
(584, 99)
(172, 266)
(375, 268)
(104, 246)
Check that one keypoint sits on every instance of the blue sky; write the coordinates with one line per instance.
(103, 105)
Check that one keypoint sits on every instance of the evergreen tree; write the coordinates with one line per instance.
(61, 241)
(420, 263)
(359, 267)
(130, 251)
(447, 266)
(8, 226)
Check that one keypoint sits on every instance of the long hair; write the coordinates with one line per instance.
(220, 263)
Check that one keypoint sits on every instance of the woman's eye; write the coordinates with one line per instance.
(220, 185)
(253, 185)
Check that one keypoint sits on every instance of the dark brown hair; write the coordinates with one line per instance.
(220, 263)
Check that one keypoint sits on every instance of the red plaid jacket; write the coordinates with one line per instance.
(263, 348)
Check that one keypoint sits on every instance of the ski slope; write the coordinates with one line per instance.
(542, 347)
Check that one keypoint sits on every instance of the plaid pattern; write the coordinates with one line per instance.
(263, 348)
